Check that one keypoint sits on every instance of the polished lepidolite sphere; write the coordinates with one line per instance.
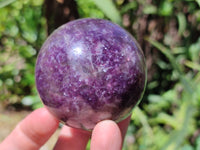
(89, 70)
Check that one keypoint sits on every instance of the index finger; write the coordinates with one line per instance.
(109, 135)
(32, 132)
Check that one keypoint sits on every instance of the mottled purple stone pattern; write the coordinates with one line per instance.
(89, 70)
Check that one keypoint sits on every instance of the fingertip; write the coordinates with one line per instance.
(105, 125)
(106, 135)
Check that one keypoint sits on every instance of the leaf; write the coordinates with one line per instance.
(182, 23)
(143, 119)
(166, 8)
(187, 147)
(88, 145)
(130, 6)
(32, 101)
(108, 7)
(150, 9)
(154, 98)
(177, 137)
(194, 51)
(192, 65)
(198, 2)
(4, 3)
(167, 120)
(198, 142)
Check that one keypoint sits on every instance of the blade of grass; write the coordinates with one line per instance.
(182, 23)
(197, 78)
(167, 53)
(167, 119)
(192, 65)
(143, 119)
(130, 6)
(164, 50)
(109, 9)
(177, 136)
(4, 3)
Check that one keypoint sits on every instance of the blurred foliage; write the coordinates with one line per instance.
(169, 33)
(22, 31)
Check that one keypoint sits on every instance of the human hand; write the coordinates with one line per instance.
(32, 132)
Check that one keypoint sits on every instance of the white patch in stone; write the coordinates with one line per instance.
(78, 51)
(103, 115)
(99, 48)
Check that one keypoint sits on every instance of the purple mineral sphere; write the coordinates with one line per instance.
(90, 70)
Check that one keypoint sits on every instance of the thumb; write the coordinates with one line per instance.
(107, 136)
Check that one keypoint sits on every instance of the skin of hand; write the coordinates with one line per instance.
(32, 132)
